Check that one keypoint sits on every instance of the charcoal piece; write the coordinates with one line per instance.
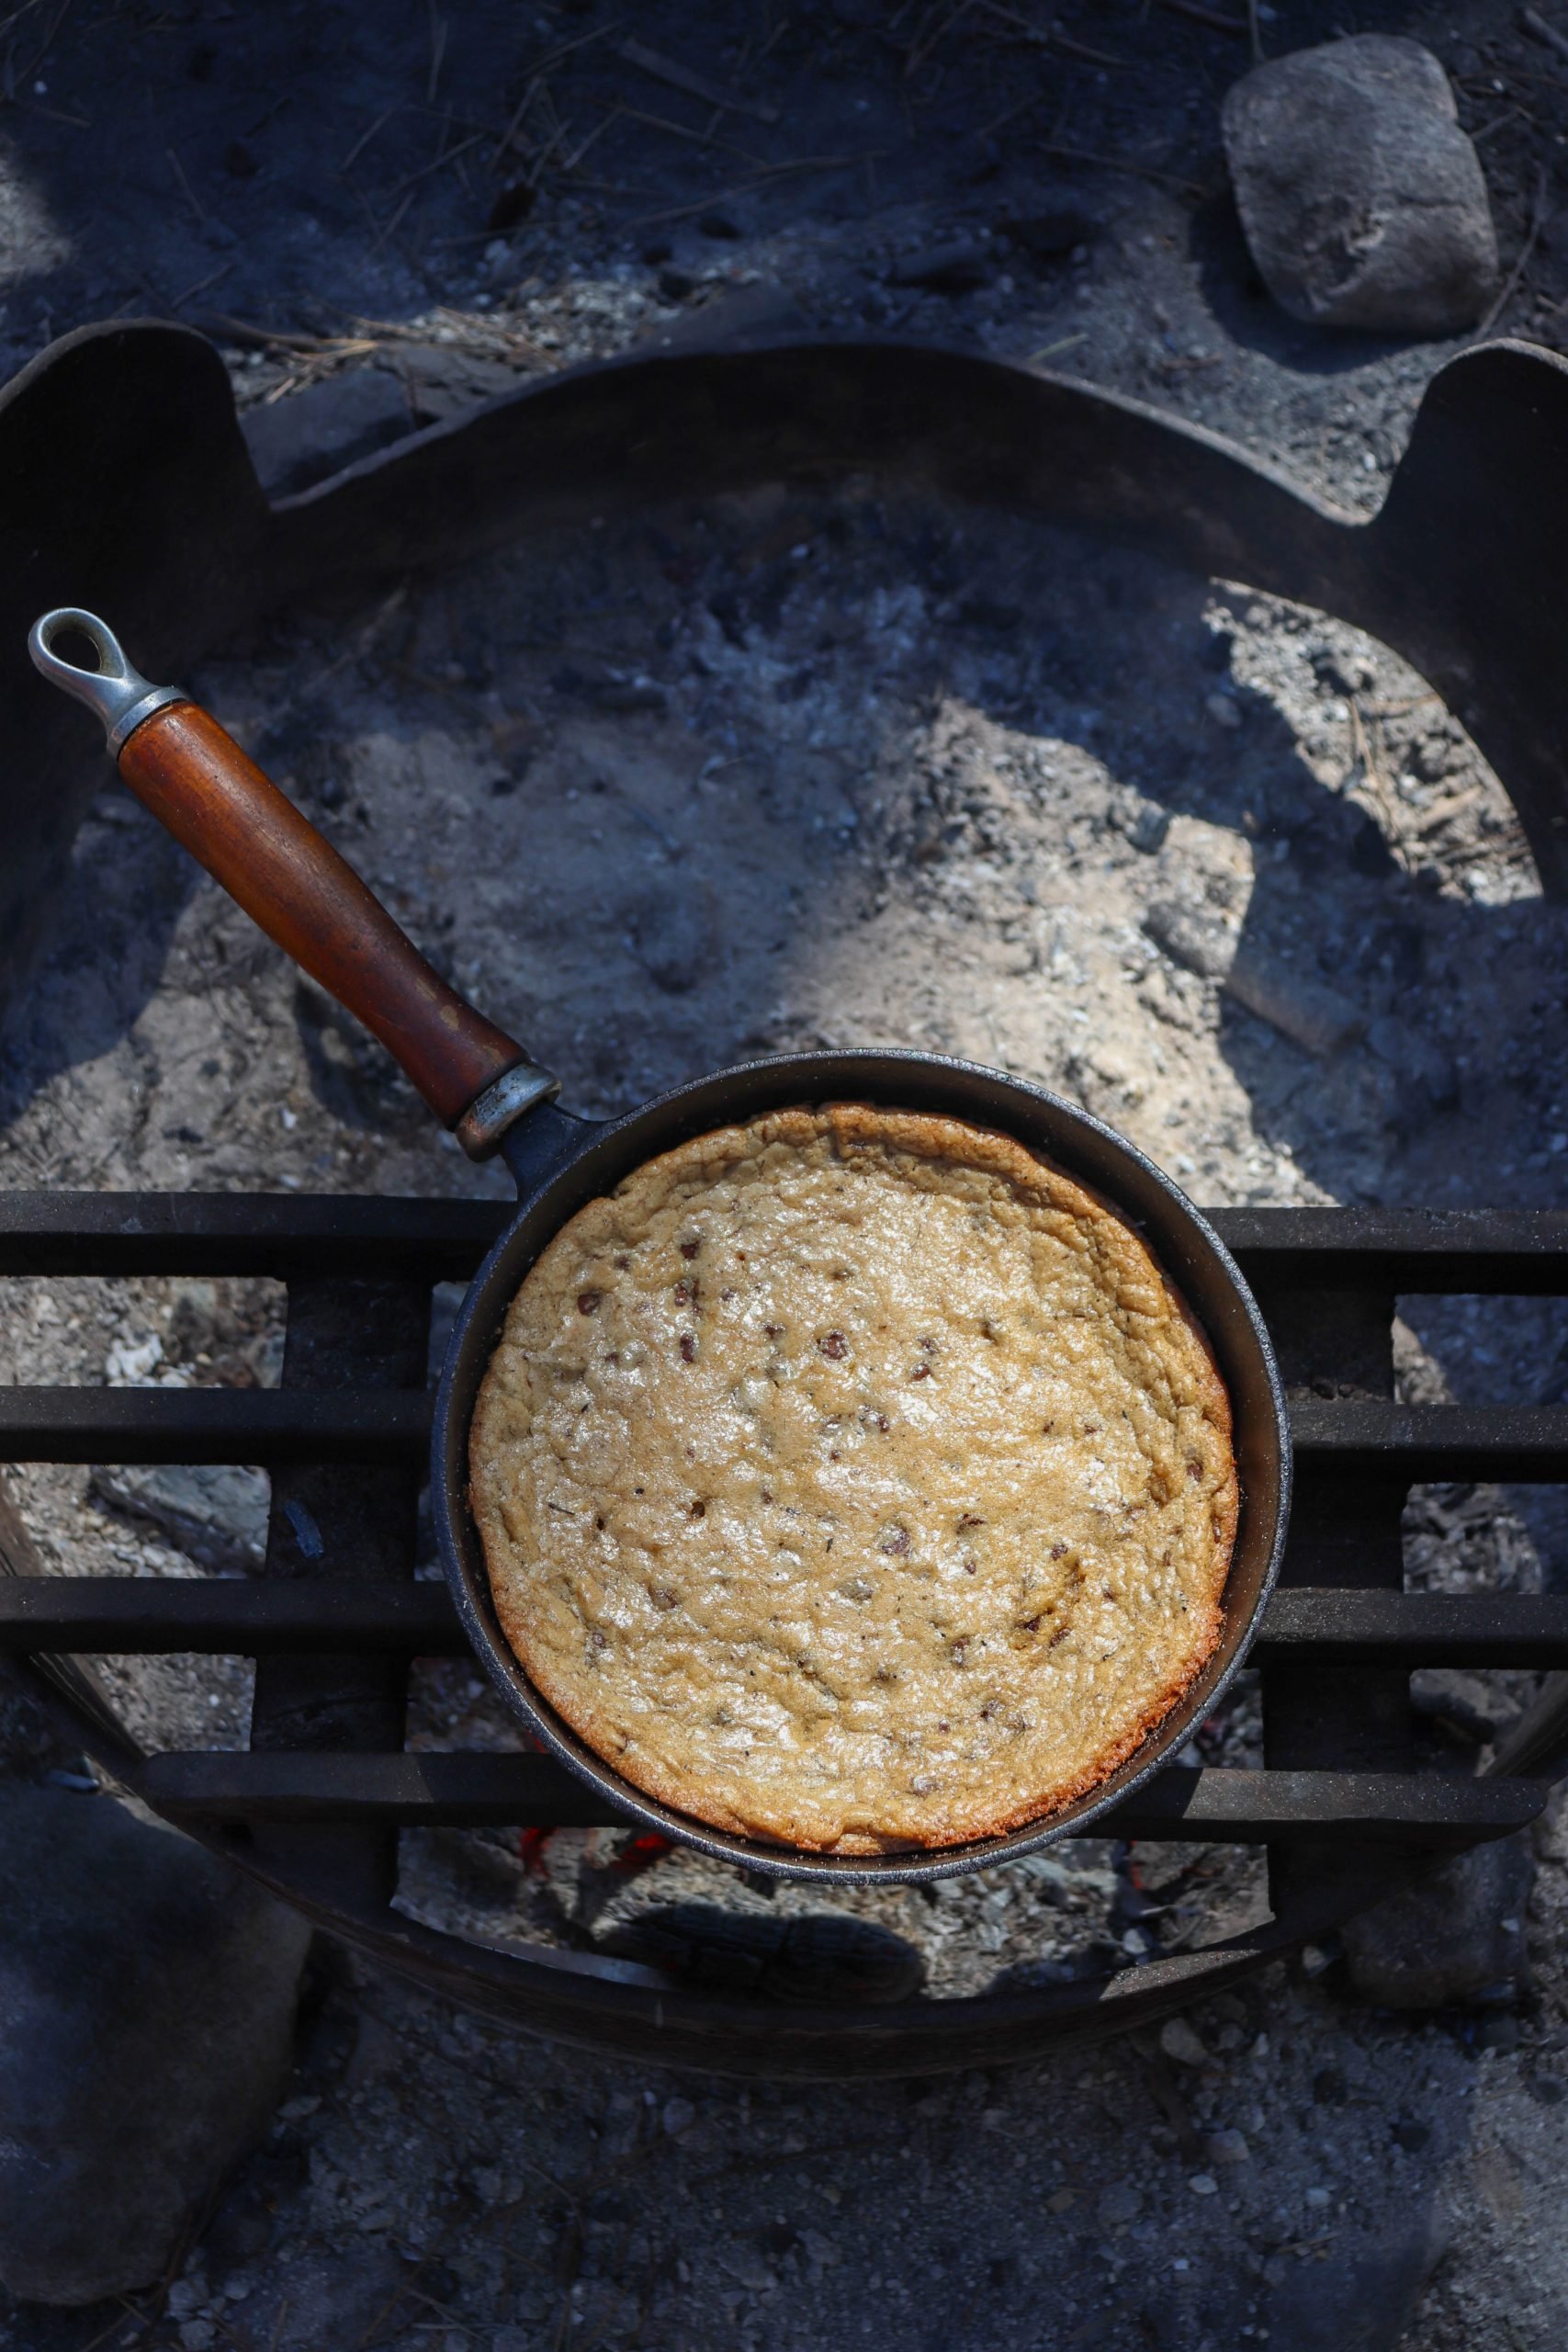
(812, 1956)
(956, 268)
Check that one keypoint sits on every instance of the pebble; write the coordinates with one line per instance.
(1203, 2183)
(1178, 2040)
(1222, 708)
(1363, 202)
(1320, 2199)
(679, 2117)
(1119, 2204)
(1227, 2147)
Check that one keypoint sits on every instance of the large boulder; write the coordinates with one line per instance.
(1362, 200)
(147, 2001)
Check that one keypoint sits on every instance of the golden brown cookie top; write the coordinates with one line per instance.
(855, 1479)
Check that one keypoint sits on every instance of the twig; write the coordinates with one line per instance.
(251, 337)
(678, 130)
(1511, 286)
(191, 196)
(392, 223)
(1063, 343)
(449, 156)
(1197, 14)
(1049, 37)
(1509, 114)
(439, 28)
(740, 187)
(551, 58)
(201, 285)
(918, 49)
(365, 137)
(1257, 37)
(697, 85)
(1544, 32)
(1116, 164)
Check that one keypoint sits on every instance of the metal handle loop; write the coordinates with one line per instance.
(115, 692)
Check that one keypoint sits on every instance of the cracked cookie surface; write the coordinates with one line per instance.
(855, 1479)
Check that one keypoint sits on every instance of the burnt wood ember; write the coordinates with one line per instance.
(314, 1808)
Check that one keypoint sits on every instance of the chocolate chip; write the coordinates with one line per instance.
(834, 1346)
(689, 1249)
(1058, 1551)
(688, 1348)
(896, 1542)
(661, 1596)
(588, 1302)
(699, 1511)
(683, 1294)
(922, 1371)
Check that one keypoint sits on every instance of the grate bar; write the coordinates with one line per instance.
(338, 1234)
(1416, 1443)
(475, 1789)
(234, 1617)
(1512, 1252)
(265, 1426)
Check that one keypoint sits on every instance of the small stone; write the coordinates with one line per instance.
(1203, 2183)
(1499, 2032)
(1178, 2040)
(197, 2336)
(678, 2117)
(1320, 2199)
(149, 1993)
(1443, 1939)
(1227, 2147)
(1119, 2204)
(675, 285)
(1222, 708)
(1062, 2199)
(1546, 2090)
(1362, 200)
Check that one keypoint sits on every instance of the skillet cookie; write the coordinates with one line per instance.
(854, 1480)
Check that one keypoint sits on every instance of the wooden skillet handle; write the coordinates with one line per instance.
(198, 782)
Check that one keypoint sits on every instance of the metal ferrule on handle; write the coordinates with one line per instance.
(200, 785)
(114, 692)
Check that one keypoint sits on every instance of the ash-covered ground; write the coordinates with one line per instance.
(781, 771)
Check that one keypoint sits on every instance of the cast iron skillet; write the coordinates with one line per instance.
(195, 778)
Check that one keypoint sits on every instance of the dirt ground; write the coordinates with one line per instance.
(779, 771)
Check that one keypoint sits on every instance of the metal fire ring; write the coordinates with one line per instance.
(129, 485)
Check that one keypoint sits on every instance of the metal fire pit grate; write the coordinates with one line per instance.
(315, 1806)
(128, 488)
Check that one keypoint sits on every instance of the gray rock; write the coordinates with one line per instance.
(1308, 1011)
(1362, 2299)
(1457, 1935)
(300, 441)
(147, 2000)
(214, 1515)
(1362, 200)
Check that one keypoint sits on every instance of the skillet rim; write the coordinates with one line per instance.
(577, 1169)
